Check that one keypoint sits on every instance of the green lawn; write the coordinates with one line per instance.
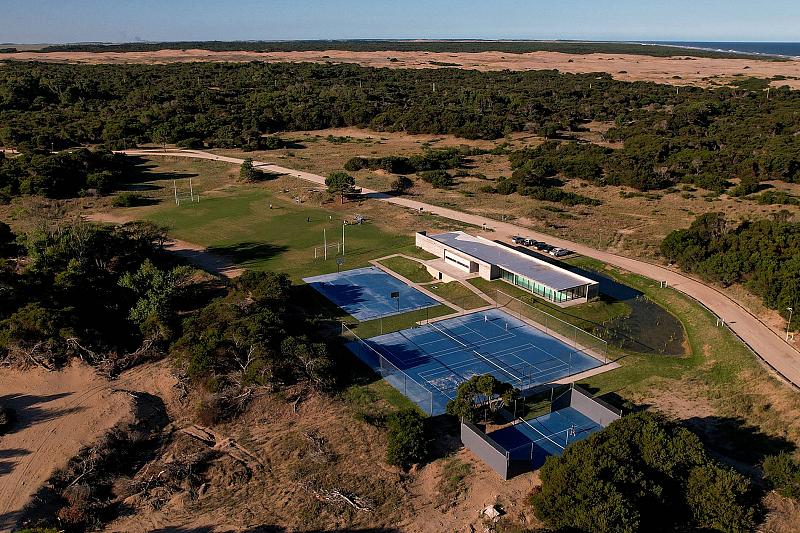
(455, 292)
(408, 268)
(239, 223)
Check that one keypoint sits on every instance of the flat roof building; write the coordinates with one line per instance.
(491, 260)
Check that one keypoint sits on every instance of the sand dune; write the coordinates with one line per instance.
(679, 70)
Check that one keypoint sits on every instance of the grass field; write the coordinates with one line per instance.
(242, 226)
(455, 292)
(407, 268)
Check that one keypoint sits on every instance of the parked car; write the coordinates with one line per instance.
(530, 242)
(516, 239)
(544, 247)
(560, 252)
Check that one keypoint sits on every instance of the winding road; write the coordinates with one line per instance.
(778, 354)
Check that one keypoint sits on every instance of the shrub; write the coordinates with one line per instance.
(401, 184)
(407, 441)
(642, 473)
(782, 473)
(127, 199)
(440, 179)
(506, 187)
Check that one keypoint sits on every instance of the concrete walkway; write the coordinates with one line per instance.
(766, 343)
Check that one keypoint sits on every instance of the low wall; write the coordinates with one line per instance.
(597, 410)
(486, 449)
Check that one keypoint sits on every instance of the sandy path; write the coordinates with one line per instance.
(768, 344)
(57, 413)
(194, 253)
(676, 70)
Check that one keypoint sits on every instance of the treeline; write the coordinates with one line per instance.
(705, 137)
(763, 254)
(357, 45)
(442, 159)
(111, 296)
(59, 175)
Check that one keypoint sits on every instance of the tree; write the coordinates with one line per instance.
(402, 184)
(247, 172)
(340, 182)
(408, 443)
(156, 291)
(479, 392)
(642, 473)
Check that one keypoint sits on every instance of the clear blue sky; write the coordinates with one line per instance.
(56, 21)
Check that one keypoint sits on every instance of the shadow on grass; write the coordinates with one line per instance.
(140, 170)
(247, 252)
(734, 438)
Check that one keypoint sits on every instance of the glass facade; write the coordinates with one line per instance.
(543, 291)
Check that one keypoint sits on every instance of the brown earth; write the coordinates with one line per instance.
(56, 414)
(678, 70)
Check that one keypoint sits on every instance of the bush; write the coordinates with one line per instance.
(401, 185)
(128, 199)
(440, 179)
(407, 441)
(506, 187)
(782, 473)
(642, 473)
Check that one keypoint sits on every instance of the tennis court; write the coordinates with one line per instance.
(545, 435)
(366, 293)
(428, 363)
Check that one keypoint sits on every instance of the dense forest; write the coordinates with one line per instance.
(112, 296)
(697, 135)
(358, 45)
(761, 254)
(57, 175)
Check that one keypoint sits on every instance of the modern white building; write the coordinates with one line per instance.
(490, 260)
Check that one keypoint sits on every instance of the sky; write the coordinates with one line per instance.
(61, 21)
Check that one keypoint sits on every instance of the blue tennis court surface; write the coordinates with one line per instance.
(365, 293)
(545, 435)
(428, 363)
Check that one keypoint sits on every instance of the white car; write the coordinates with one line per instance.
(559, 252)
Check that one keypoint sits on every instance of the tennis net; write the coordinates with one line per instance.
(443, 332)
(544, 435)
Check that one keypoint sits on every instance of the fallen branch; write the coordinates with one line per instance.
(337, 496)
(224, 444)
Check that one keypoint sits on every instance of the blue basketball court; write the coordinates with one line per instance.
(366, 293)
(545, 435)
(428, 363)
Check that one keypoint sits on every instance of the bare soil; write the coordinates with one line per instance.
(678, 70)
(56, 413)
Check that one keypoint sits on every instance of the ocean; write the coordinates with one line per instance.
(761, 48)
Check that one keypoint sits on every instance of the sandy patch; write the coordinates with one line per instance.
(57, 413)
(677, 70)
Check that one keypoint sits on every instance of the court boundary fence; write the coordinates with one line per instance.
(581, 340)
(369, 355)
(527, 457)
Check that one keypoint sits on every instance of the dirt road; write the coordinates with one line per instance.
(764, 341)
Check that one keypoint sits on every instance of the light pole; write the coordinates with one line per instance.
(788, 323)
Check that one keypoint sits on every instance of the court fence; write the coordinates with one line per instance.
(400, 380)
(510, 462)
(579, 339)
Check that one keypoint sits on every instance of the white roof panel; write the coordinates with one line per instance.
(524, 265)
